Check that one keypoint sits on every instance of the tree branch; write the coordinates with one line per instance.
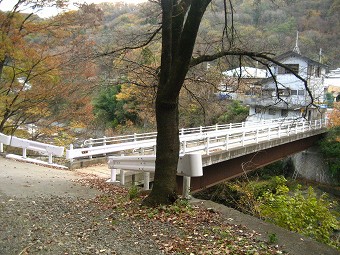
(143, 44)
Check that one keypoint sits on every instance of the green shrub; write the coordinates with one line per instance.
(303, 213)
(241, 195)
(235, 112)
(330, 148)
(133, 192)
(272, 238)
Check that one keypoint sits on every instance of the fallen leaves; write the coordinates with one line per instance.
(180, 228)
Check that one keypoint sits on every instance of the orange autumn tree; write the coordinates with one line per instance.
(27, 73)
(334, 117)
(140, 89)
(45, 77)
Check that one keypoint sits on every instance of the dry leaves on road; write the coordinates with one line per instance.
(180, 228)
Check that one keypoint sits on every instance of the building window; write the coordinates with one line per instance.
(271, 111)
(310, 70)
(318, 71)
(293, 92)
(267, 92)
(293, 67)
(284, 113)
(283, 92)
(301, 92)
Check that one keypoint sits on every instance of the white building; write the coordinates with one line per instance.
(246, 72)
(286, 95)
(239, 83)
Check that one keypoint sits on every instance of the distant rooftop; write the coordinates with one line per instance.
(289, 54)
(246, 72)
(334, 73)
(333, 78)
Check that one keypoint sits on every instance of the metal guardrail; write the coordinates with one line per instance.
(203, 144)
(221, 140)
(202, 139)
(92, 142)
(42, 148)
(189, 165)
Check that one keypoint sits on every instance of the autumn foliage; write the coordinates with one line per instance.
(45, 81)
(334, 116)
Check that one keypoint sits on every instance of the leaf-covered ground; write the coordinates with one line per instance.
(178, 229)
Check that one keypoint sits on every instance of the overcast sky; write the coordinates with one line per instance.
(7, 5)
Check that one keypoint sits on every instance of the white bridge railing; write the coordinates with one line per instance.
(25, 145)
(201, 139)
(194, 145)
(183, 131)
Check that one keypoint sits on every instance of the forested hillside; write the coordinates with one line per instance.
(66, 73)
(256, 25)
(269, 25)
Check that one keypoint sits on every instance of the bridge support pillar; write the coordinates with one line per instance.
(113, 175)
(186, 187)
(146, 180)
(122, 177)
(50, 158)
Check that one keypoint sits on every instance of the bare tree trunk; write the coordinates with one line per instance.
(164, 190)
(180, 24)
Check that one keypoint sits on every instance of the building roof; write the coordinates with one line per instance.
(295, 54)
(334, 73)
(333, 78)
(246, 72)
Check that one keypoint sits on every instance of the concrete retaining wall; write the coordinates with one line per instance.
(310, 164)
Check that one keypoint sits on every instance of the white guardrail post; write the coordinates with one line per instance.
(189, 165)
(268, 138)
(207, 145)
(24, 144)
(279, 134)
(227, 142)
(90, 146)
(104, 143)
(194, 139)
(4, 139)
(70, 152)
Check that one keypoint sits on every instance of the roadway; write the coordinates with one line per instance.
(22, 179)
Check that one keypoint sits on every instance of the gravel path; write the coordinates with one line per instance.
(42, 211)
(65, 226)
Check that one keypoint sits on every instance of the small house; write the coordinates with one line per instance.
(286, 94)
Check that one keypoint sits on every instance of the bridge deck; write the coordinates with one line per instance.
(229, 153)
(225, 165)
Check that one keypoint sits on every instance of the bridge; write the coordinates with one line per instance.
(208, 155)
(213, 154)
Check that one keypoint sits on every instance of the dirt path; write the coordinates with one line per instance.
(22, 183)
(19, 179)
(43, 212)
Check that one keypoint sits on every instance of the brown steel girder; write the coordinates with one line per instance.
(219, 172)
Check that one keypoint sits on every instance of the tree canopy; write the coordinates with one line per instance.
(42, 70)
